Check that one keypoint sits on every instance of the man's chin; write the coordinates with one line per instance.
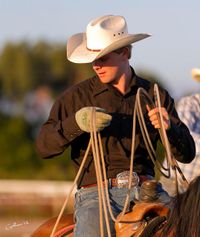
(104, 79)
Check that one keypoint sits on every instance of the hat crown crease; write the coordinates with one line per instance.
(104, 31)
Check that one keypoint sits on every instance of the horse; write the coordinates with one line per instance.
(146, 219)
(64, 228)
(182, 220)
(184, 217)
(138, 222)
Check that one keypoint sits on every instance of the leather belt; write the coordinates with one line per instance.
(112, 182)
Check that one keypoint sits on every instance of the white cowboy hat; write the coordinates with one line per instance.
(196, 74)
(103, 35)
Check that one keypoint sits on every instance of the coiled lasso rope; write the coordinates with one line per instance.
(171, 161)
(97, 149)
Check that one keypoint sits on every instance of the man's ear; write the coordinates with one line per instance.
(126, 52)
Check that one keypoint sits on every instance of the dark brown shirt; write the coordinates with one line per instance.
(61, 129)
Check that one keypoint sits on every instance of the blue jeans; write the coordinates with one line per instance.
(87, 209)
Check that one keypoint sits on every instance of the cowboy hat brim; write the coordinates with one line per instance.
(196, 74)
(77, 51)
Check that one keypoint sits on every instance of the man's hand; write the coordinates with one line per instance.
(154, 117)
(84, 115)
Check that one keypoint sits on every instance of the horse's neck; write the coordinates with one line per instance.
(159, 233)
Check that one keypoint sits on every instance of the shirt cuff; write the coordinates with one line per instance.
(70, 128)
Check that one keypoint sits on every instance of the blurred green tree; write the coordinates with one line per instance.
(19, 159)
(16, 70)
(23, 69)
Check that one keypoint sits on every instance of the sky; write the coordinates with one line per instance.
(170, 53)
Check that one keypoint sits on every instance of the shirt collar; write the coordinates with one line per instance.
(136, 80)
(100, 87)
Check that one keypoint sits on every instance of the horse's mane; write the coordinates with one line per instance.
(184, 218)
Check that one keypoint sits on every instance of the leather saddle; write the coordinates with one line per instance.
(142, 220)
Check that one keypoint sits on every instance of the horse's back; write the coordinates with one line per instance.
(65, 226)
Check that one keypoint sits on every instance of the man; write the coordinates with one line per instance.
(188, 109)
(107, 45)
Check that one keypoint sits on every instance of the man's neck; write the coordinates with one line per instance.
(123, 83)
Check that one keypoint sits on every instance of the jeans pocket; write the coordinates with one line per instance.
(85, 195)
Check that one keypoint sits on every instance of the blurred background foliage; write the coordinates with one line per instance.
(31, 76)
